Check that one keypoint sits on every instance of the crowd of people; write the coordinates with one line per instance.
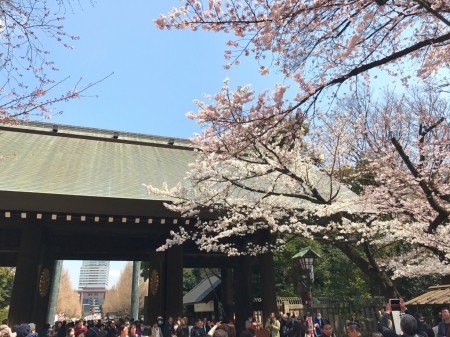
(409, 325)
(122, 328)
(282, 325)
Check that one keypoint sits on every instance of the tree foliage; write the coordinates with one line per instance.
(321, 44)
(68, 301)
(6, 285)
(334, 274)
(118, 298)
(275, 161)
(403, 142)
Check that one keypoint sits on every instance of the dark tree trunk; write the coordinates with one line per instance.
(365, 261)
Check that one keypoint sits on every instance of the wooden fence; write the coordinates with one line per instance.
(339, 310)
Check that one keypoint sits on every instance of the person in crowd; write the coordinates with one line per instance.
(138, 324)
(112, 330)
(5, 330)
(299, 329)
(57, 326)
(422, 326)
(214, 328)
(408, 325)
(353, 320)
(146, 330)
(257, 325)
(182, 329)
(79, 326)
(51, 332)
(98, 330)
(70, 332)
(273, 326)
(206, 325)
(123, 331)
(353, 330)
(157, 327)
(444, 324)
(168, 327)
(62, 330)
(386, 326)
(22, 330)
(198, 329)
(33, 332)
(318, 322)
(247, 332)
(80, 333)
(102, 329)
(228, 327)
(327, 330)
(133, 329)
(284, 325)
(220, 333)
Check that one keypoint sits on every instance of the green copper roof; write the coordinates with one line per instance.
(88, 162)
(305, 251)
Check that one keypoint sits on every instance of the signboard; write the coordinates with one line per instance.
(204, 307)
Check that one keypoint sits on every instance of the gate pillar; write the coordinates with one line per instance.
(268, 288)
(227, 294)
(165, 292)
(243, 294)
(32, 281)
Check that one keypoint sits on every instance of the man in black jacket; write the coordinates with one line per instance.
(198, 330)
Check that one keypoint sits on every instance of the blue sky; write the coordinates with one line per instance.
(157, 74)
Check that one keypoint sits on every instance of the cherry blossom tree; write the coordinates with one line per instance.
(274, 162)
(28, 84)
(404, 145)
(322, 44)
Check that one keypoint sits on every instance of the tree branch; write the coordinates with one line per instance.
(433, 12)
(429, 193)
(365, 67)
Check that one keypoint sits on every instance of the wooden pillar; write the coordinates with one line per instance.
(227, 294)
(165, 293)
(268, 288)
(243, 295)
(174, 284)
(31, 289)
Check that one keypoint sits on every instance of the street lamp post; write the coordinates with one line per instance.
(305, 259)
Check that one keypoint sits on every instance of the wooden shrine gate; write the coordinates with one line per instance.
(71, 193)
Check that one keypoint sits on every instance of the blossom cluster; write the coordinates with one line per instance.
(352, 173)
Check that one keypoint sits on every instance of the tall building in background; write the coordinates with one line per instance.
(94, 276)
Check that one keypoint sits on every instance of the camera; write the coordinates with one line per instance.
(395, 304)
